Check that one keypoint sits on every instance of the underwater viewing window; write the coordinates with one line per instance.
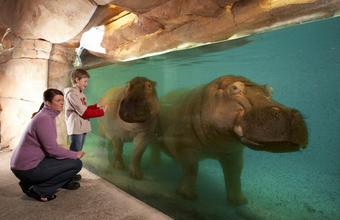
(300, 66)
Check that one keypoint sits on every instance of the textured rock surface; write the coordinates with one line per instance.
(137, 28)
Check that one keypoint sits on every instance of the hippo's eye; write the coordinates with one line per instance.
(237, 88)
(234, 89)
(147, 85)
(218, 85)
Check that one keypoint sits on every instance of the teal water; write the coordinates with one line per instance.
(302, 64)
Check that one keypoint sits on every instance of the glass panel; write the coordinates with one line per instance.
(302, 65)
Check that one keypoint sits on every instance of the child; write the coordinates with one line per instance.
(77, 114)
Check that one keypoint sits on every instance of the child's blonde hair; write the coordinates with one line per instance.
(78, 73)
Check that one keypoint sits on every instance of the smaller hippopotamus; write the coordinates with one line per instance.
(132, 115)
(216, 120)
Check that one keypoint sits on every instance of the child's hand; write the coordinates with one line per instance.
(104, 107)
(99, 104)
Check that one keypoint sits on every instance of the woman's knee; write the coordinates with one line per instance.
(74, 164)
(78, 164)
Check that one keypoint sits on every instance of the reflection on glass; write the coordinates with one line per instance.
(302, 66)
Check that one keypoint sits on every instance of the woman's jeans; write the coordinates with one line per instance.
(50, 175)
(77, 141)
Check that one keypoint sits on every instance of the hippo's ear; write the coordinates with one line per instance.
(269, 90)
(127, 86)
(153, 83)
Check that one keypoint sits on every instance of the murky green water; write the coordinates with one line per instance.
(302, 64)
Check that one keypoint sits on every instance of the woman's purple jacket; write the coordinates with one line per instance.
(39, 141)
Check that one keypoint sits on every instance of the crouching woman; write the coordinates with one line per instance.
(39, 162)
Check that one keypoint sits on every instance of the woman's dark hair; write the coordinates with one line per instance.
(48, 96)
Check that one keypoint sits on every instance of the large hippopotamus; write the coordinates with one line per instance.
(132, 115)
(216, 120)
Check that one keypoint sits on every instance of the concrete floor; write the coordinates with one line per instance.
(95, 199)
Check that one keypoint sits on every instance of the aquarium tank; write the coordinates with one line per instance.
(302, 65)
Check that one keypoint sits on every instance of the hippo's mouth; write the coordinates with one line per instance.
(134, 119)
(278, 145)
(273, 129)
(134, 110)
(274, 147)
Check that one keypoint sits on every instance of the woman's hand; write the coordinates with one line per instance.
(80, 154)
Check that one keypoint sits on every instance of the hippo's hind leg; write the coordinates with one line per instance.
(232, 164)
(155, 156)
(189, 159)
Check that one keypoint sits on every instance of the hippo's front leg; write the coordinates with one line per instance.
(189, 158)
(117, 160)
(140, 144)
(232, 164)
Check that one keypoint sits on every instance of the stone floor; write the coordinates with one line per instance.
(95, 199)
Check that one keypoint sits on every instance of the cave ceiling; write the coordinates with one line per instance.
(126, 30)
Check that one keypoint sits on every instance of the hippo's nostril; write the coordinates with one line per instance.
(276, 108)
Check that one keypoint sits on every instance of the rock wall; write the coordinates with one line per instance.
(26, 71)
(59, 67)
(23, 78)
